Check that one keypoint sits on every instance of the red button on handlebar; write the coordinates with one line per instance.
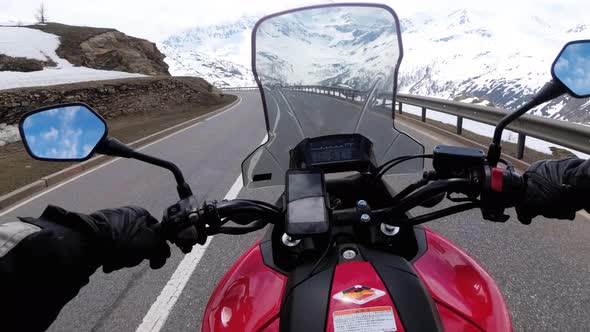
(497, 179)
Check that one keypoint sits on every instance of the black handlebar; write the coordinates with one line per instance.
(186, 224)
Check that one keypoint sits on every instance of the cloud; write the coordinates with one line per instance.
(50, 135)
(562, 65)
(68, 146)
(29, 122)
(86, 149)
(158, 19)
(68, 114)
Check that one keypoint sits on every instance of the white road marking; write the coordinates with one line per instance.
(156, 317)
(105, 164)
(160, 310)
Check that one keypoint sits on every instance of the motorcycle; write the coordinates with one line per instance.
(341, 252)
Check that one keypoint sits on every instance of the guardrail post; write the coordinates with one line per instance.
(520, 145)
(400, 106)
(423, 114)
(459, 125)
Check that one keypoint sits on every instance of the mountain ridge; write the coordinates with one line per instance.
(477, 55)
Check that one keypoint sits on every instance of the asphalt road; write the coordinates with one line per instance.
(543, 269)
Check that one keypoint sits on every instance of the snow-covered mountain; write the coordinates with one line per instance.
(216, 70)
(354, 46)
(219, 53)
(469, 55)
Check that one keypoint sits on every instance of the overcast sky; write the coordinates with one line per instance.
(157, 19)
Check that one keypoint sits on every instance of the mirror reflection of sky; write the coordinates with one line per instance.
(63, 133)
(573, 68)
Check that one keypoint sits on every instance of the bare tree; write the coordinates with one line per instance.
(41, 14)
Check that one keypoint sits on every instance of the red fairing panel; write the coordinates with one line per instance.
(458, 283)
(453, 322)
(247, 298)
(360, 283)
(273, 326)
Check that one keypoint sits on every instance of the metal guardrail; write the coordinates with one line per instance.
(567, 134)
(247, 88)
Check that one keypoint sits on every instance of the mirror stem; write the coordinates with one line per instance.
(113, 147)
(551, 90)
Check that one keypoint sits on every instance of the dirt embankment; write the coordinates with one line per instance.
(97, 48)
(8, 63)
(112, 98)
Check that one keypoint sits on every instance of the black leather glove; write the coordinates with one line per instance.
(123, 237)
(555, 189)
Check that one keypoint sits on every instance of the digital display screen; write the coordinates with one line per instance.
(325, 156)
(325, 153)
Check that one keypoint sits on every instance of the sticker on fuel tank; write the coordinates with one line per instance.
(365, 319)
(359, 294)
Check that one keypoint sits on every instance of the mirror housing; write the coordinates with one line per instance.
(66, 132)
(76, 121)
(572, 68)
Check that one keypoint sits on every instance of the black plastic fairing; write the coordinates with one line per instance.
(307, 296)
(412, 299)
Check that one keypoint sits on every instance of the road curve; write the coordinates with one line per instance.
(542, 269)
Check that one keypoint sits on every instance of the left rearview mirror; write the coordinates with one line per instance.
(68, 132)
(572, 68)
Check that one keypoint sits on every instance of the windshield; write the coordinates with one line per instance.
(323, 71)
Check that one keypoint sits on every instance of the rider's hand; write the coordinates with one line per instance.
(555, 189)
(122, 237)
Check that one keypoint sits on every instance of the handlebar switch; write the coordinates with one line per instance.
(502, 188)
(181, 224)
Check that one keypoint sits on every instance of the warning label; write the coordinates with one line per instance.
(374, 319)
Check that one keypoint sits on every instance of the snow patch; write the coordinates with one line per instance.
(8, 134)
(39, 45)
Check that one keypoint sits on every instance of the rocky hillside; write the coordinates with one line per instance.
(112, 98)
(219, 53)
(106, 49)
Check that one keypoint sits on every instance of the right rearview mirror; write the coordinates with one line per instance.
(572, 68)
(68, 132)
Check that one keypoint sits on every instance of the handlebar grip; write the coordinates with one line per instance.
(502, 188)
(157, 228)
(503, 185)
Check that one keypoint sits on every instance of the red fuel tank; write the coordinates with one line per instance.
(249, 296)
(461, 288)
